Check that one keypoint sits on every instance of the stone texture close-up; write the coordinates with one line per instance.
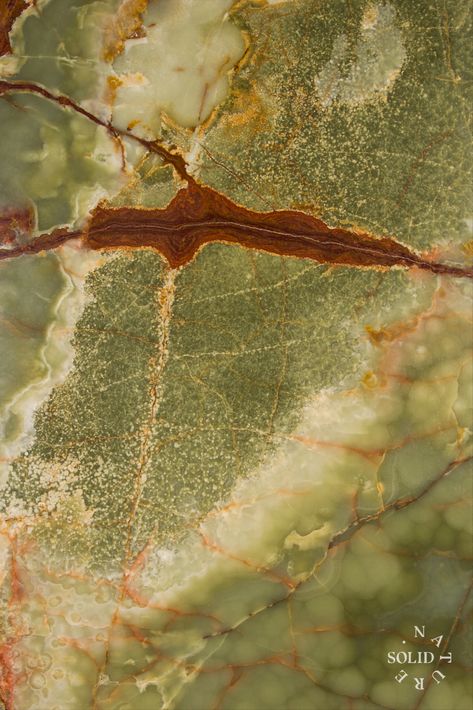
(236, 372)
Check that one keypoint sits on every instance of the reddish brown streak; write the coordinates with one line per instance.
(9, 12)
(48, 241)
(199, 215)
(8, 87)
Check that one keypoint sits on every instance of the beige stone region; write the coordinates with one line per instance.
(380, 56)
(180, 67)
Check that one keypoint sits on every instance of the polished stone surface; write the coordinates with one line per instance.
(235, 355)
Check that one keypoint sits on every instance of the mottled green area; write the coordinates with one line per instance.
(398, 165)
(154, 185)
(343, 627)
(89, 429)
(240, 364)
(326, 642)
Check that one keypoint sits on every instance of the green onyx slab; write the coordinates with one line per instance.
(236, 334)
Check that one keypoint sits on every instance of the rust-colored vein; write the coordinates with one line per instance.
(199, 215)
(177, 161)
(398, 504)
(46, 242)
(11, 9)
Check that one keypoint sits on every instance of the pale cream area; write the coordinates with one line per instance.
(79, 613)
(380, 56)
(183, 63)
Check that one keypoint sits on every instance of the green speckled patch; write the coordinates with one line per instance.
(236, 367)
(395, 163)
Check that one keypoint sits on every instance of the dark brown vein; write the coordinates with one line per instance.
(199, 215)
